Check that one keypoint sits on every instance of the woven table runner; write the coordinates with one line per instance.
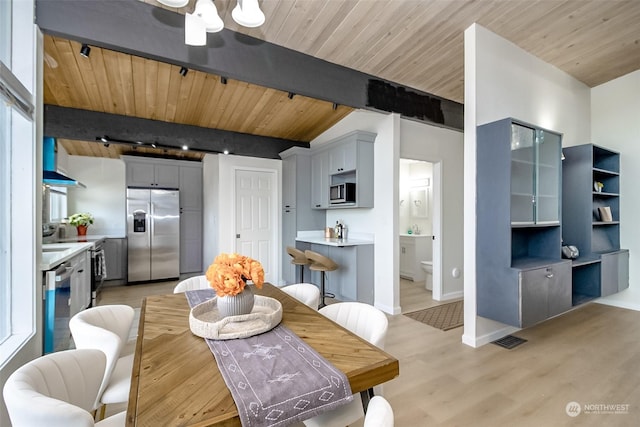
(275, 378)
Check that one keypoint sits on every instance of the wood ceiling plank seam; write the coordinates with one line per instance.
(436, 29)
(54, 77)
(173, 93)
(276, 14)
(151, 89)
(268, 98)
(264, 121)
(195, 104)
(89, 82)
(546, 28)
(307, 113)
(301, 16)
(162, 90)
(184, 94)
(342, 112)
(400, 38)
(114, 81)
(217, 91)
(324, 24)
(233, 107)
(99, 68)
(228, 91)
(206, 102)
(138, 93)
(365, 44)
(72, 74)
(248, 104)
(125, 70)
(596, 42)
(351, 25)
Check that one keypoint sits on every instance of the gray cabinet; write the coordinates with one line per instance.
(190, 218)
(591, 185)
(614, 272)
(414, 250)
(343, 157)
(297, 214)
(354, 278)
(80, 298)
(186, 176)
(518, 232)
(348, 158)
(543, 293)
(148, 174)
(320, 180)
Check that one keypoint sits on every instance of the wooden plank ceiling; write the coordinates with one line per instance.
(416, 43)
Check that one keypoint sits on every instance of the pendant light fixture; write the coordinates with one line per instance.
(248, 14)
(203, 20)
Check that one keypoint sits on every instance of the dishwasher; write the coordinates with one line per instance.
(57, 301)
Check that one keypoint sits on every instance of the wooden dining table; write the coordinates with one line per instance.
(175, 379)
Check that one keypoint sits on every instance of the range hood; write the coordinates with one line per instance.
(50, 174)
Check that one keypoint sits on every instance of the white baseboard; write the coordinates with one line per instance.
(387, 309)
(488, 338)
(630, 305)
(451, 295)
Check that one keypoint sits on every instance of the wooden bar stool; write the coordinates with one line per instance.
(321, 263)
(298, 258)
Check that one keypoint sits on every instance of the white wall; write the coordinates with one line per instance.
(219, 173)
(444, 146)
(382, 220)
(413, 177)
(105, 196)
(397, 138)
(502, 80)
(615, 110)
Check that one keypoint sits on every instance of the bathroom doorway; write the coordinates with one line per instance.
(419, 221)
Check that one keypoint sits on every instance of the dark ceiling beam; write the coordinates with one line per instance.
(84, 125)
(141, 29)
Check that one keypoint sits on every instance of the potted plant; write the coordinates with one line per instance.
(81, 221)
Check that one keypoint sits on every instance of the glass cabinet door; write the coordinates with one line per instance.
(549, 146)
(523, 158)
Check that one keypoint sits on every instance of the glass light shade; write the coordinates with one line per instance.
(207, 11)
(174, 3)
(248, 14)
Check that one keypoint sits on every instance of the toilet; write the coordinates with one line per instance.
(427, 266)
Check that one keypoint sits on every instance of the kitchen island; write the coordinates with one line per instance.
(354, 278)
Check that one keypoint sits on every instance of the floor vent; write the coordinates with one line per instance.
(509, 342)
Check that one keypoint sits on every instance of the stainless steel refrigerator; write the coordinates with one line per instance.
(153, 234)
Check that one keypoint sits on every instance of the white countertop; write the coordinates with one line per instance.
(414, 235)
(67, 250)
(317, 237)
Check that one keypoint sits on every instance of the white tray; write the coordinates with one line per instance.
(205, 320)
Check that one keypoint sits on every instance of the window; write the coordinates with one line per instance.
(18, 185)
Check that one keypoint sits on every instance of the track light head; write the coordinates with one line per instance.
(104, 139)
(290, 95)
(183, 71)
(85, 50)
(223, 80)
(335, 106)
(106, 144)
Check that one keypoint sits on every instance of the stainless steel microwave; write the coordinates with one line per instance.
(342, 193)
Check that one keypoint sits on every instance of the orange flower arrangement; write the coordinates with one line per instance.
(229, 273)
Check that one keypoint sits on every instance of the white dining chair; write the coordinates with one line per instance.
(192, 284)
(307, 293)
(107, 328)
(379, 413)
(368, 323)
(58, 390)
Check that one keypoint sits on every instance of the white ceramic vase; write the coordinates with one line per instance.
(235, 305)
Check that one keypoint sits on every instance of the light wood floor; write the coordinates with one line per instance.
(590, 355)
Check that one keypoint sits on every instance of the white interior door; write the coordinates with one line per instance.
(256, 225)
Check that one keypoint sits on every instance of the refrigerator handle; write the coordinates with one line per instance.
(150, 222)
